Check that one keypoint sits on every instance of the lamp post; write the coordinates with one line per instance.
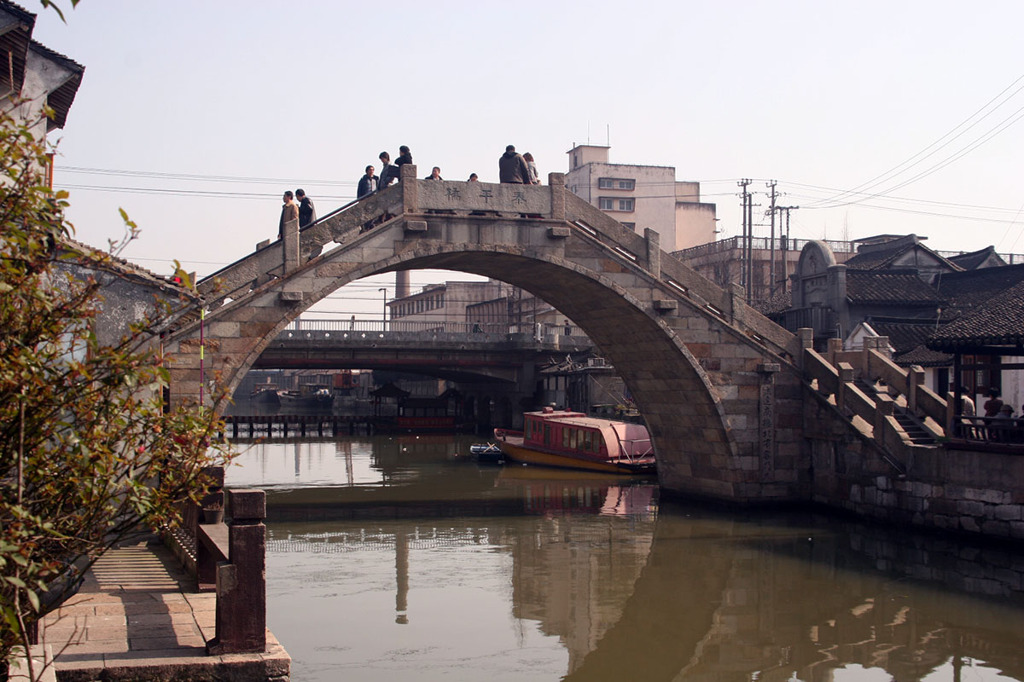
(384, 318)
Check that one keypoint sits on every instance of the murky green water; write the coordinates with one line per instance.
(403, 559)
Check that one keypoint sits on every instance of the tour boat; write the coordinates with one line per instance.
(575, 441)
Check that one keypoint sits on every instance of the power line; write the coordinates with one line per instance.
(911, 162)
(209, 194)
(197, 176)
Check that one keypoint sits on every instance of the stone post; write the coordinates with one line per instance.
(290, 245)
(736, 304)
(870, 344)
(883, 408)
(653, 240)
(410, 188)
(242, 580)
(556, 182)
(845, 377)
(915, 378)
(834, 346)
(805, 336)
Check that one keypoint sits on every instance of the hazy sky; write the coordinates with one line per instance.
(913, 104)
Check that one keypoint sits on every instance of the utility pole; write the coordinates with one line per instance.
(785, 244)
(745, 241)
(771, 244)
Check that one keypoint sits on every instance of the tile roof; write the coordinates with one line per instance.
(967, 291)
(894, 287)
(97, 258)
(61, 98)
(779, 303)
(904, 335)
(908, 337)
(877, 257)
(970, 261)
(923, 356)
(998, 321)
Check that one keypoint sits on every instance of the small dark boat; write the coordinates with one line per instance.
(306, 398)
(486, 452)
(265, 395)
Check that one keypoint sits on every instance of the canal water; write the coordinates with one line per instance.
(401, 558)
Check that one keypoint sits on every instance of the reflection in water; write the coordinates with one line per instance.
(401, 560)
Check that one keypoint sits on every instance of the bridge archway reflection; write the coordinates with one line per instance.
(682, 593)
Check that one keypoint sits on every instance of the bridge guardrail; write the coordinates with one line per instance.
(400, 326)
(677, 279)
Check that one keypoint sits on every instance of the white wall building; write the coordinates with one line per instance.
(445, 303)
(642, 197)
(33, 76)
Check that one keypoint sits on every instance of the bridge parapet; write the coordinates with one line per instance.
(418, 201)
(883, 401)
(679, 281)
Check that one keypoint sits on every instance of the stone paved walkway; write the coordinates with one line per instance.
(138, 616)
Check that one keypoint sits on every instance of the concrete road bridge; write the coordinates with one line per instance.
(738, 408)
(506, 353)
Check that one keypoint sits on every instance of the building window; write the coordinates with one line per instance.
(616, 183)
(616, 204)
(629, 226)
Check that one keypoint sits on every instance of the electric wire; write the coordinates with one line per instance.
(910, 163)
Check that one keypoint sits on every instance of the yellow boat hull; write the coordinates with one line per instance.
(517, 453)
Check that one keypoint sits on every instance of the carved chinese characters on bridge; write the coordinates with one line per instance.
(766, 421)
(481, 196)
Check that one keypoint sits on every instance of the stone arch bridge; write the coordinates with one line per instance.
(717, 383)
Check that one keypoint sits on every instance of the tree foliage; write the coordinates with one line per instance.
(88, 451)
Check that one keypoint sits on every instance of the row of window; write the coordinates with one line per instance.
(572, 438)
(617, 204)
(420, 305)
(616, 183)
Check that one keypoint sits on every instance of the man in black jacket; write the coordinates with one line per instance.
(367, 184)
(307, 214)
(388, 172)
(512, 168)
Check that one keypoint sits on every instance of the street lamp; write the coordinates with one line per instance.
(384, 318)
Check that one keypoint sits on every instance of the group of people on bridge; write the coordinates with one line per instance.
(513, 168)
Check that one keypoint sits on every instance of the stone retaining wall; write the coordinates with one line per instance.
(980, 493)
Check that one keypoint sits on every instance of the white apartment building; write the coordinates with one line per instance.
(490, 302)
(642, 197)
(445, 303)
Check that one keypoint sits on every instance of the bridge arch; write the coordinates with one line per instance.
(701, 367)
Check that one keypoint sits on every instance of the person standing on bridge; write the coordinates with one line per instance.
(367, 184)
(404, 157)
(289, 212)
(532, 167)
(435, 174)
(388, 171)
(307, 213)
(512, 168)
